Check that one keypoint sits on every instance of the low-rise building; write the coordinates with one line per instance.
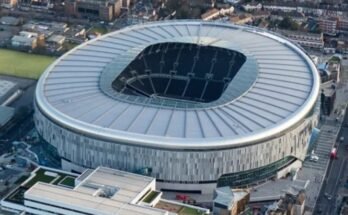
(241, 19)
(261, 14)
(76, 34)
(21, 42)
(342, 46)
(327, 97)
(8, 3)
(106, 10)
(6, 114)
(37, 28)
(328, 25)
(9, 20)
(343, 24)
(305, 39)
(252, 6)
(210, 14)
(215, 13)
(279, 8)
(58, 27)
(26, 40)
(292, 203)
(293, 15)
(55, 42)
(46, 28)
(7, 89)
(102, 191)
(28, 34)
(230, 201)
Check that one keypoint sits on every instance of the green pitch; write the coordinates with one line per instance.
(22, 64)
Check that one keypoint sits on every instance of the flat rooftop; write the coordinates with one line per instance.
(5, 87)
(103, 191)
(128, 185)
(6, 113)
(274, 190)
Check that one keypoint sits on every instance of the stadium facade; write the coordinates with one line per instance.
(194, 104)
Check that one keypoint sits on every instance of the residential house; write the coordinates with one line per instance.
(76, 34)
(252, 6)
(305, 39)
(215, 13)
(241, 19)
(9, 20)
(328, 25)
(55, 42)
(8, 3)
(22, 42)
(343, 24)
(106, 10)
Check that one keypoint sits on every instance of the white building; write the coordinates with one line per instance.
(215, 13)
(24, 42)
(102, 191)
(252, 6)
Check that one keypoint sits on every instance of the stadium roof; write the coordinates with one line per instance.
(274, 89)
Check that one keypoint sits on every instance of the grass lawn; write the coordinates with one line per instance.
(68, 181)
(22, 64)
(151, 196)
(189, 211)
(69, 46)
(100, 30)
(21, 179)
(40, 176)
(17, 196)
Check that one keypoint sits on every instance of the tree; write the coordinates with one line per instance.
(288, 23)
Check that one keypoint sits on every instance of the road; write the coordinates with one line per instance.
(328, 200)
(25, 124)
(337, 168)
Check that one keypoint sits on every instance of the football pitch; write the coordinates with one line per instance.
(22, 64)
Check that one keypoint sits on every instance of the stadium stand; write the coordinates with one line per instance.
(181, 71)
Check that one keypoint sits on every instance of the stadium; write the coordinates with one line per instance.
(195, 104)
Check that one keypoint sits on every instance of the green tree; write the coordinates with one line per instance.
(289, 24)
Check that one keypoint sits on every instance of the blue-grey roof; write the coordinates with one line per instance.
(276, 88)
(6, 113)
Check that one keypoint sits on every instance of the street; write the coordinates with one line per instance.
(328, 200)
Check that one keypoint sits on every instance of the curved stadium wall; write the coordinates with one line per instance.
(237, 162)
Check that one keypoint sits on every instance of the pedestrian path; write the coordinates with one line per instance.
(324, 144)
(315, 171)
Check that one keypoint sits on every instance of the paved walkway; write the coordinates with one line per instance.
(323, 147)
(315, 171)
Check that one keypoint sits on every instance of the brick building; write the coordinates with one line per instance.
(309, 40)
(106, 10)
(328, 25)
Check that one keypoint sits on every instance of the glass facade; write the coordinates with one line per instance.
(244, 178)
